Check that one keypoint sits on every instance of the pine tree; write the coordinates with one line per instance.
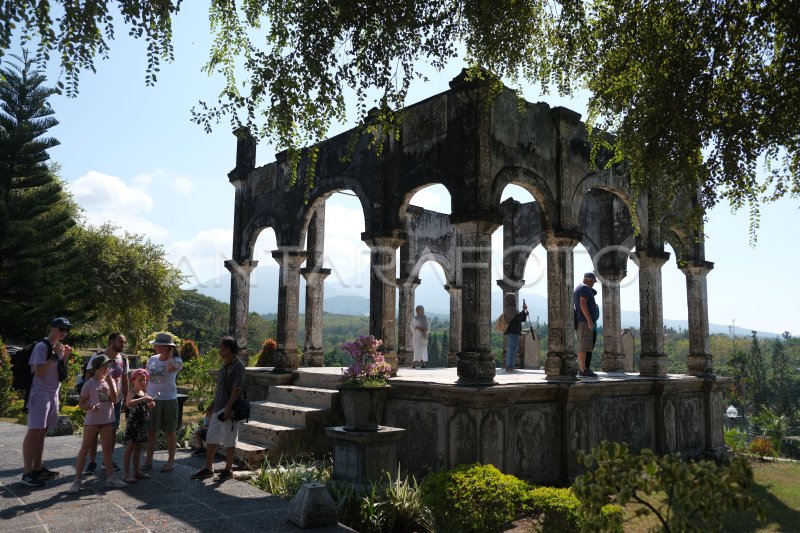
(39, 264)
(781, 381)
(758, 369)
(445, 347)
(433, 350)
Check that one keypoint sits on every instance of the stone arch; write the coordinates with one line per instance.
(441, 260)
(253, 229)
(531, 182)
(324, 190)
(616, 185)
(418, 184)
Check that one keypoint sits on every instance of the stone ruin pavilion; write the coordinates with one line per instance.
(475, 146)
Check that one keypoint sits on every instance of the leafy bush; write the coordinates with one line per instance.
(188, 351)
(762, 446)
(560, 507)
(197, 374)
(683, 495)
(265, 356)
(76, 416)
(74, 371)
(736, 440)
(473, 498)
(774, 426)
(395, 505)
(285, 479)
(7, 395)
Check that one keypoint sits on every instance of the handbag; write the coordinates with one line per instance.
(240, 410)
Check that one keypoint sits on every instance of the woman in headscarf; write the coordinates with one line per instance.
(419, 331)
(514, 329)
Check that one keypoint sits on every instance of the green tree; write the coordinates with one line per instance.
(132, 285)
(696, 93)
(40, 267)
(445, 348)
(434, 354)
(781, 380)
(199, 317)
(758, 374)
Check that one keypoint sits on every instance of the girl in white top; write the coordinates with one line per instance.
(98, 396)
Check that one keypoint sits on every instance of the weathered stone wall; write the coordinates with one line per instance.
(537, 432)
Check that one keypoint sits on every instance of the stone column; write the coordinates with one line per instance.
(476, 365)
(315, 276)
(288, 307)
(700, 360)
(613, 357)
(561, 362)
(651, 311)
(405, 349)
(455, 324)
(510, 285)
(240, 303)
(315, 290)
(382, 289)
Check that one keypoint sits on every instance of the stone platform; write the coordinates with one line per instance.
(534, 428)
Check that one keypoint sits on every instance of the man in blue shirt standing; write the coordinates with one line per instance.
(586, 314)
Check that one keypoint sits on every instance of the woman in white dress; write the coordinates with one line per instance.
(419, 330)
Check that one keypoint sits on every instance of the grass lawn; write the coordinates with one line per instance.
(778, 490)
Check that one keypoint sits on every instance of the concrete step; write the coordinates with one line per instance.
(284, 438)
(305, 396)
(327, 379)
(255, 454)
(281, 413)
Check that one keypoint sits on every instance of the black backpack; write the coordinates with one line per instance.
(21, 369)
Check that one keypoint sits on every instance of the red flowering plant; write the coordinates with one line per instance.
(369, 369)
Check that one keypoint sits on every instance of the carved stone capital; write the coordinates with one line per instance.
(408, 284)
(471, 224)
(289, 258)
(378, 243)
(650, 259)
(240, 269)
(559, 241)
(697, 269)
(510, 285)
(611, 275)
(451, 289)
(313, 275)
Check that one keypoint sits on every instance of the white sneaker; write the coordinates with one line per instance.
(76, 487)
(114, 483)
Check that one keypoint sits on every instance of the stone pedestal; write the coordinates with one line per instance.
(364, 457)
(313, 506)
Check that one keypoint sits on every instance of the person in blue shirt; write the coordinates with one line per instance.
(586, 314)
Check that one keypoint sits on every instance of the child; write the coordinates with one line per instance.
(137, 416)
(97, 398)
(200, 437)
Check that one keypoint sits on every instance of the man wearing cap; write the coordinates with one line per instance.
(119, 372)
(43, 400)
(223, 430)
(163, 369)
(586, 314)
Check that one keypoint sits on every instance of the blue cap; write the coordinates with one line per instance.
(60, 322)
(590, 275)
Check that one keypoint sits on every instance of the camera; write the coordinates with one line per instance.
(221, 416)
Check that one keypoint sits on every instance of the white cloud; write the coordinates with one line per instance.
(434, 198)
(202, 257)
(183, 184)
(105, 198)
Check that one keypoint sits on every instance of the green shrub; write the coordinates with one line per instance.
(561, 508)
(197, 374)
(473, 498)
(736, 440)
(76, 416)
(285, 478)
(683, 495)
(7, 394)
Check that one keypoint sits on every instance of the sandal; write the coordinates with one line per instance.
(167, 468)
(141, 475)
(147, 466)
(129, 478)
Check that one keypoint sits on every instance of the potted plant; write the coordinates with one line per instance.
(365, 385)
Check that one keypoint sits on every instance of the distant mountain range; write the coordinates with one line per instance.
(347, 298)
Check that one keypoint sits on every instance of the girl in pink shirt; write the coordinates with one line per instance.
(98, 396)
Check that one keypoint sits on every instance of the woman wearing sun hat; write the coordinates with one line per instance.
(163, 369)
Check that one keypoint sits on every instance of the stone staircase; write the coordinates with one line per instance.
(290, 421)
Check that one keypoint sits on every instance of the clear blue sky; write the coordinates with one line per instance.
(131, 155)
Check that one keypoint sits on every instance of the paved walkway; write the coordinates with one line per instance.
(165, 503)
